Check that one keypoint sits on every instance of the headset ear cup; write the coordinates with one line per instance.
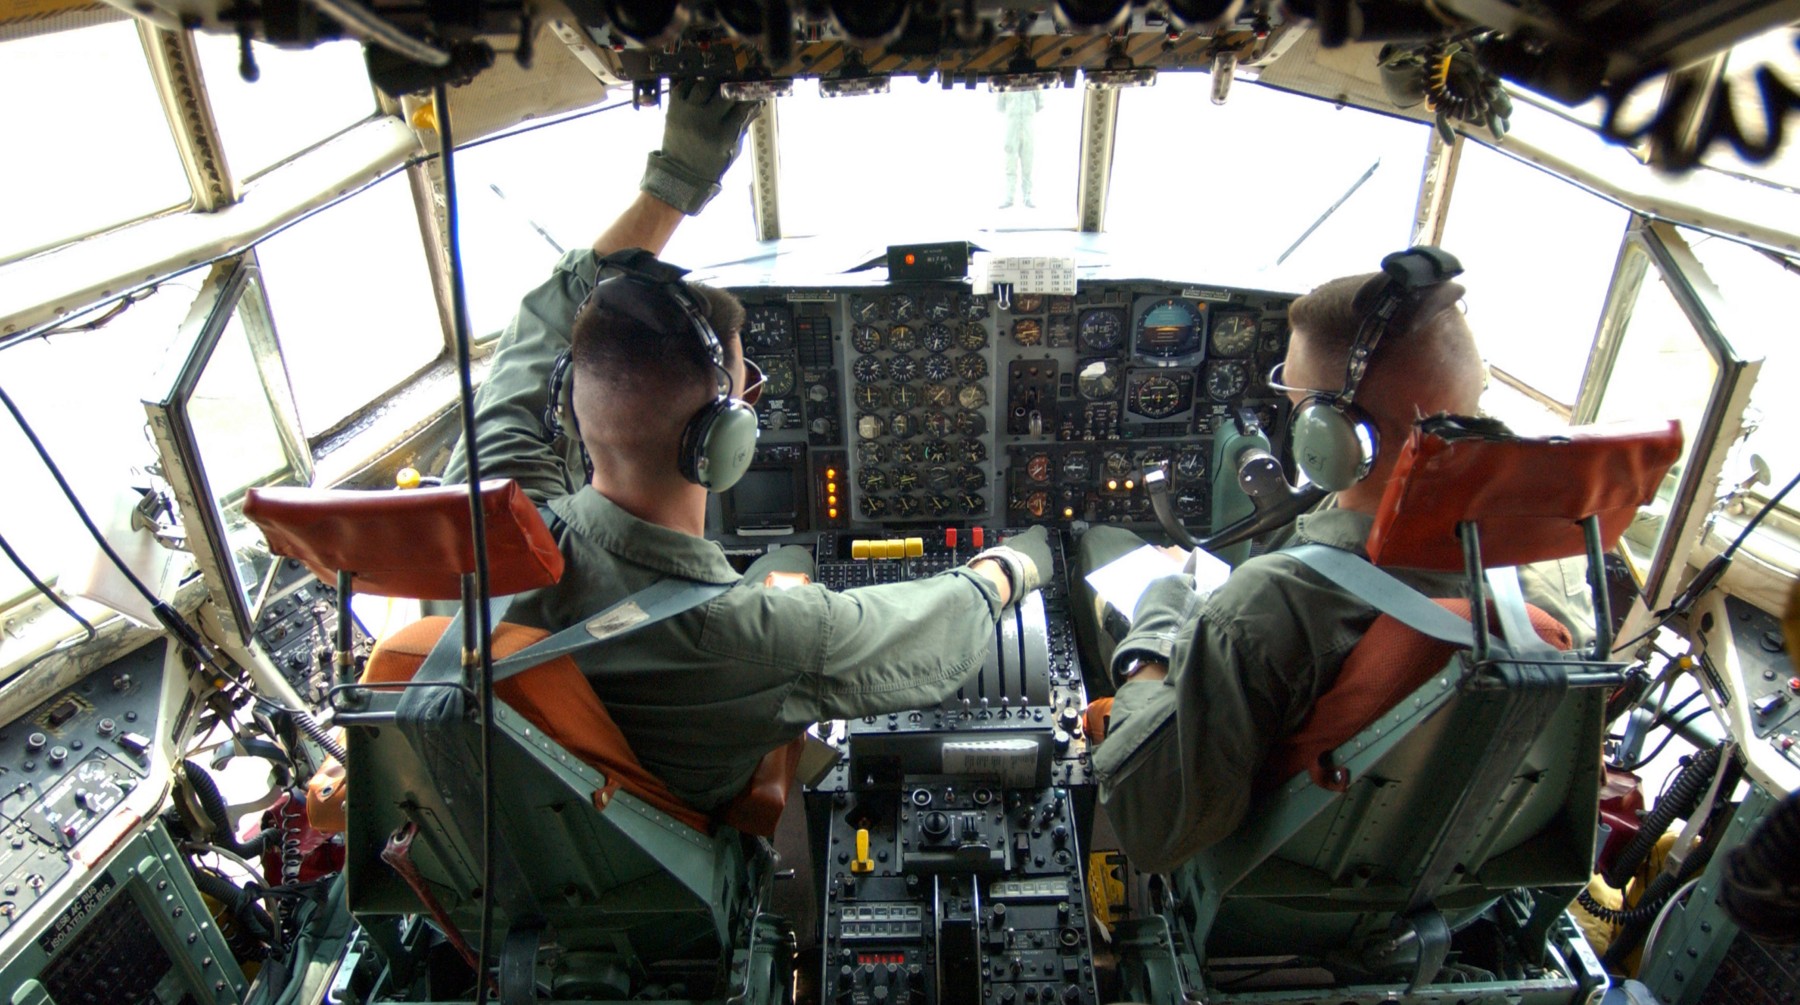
(718, 444)
(1335, 449)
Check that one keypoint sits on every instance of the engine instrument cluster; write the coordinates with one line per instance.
(925, 403)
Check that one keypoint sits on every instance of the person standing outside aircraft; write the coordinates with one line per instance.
(1208, 685)
(703, 695)
(1019, 109)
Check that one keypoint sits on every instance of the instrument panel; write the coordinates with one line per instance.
(926, 403)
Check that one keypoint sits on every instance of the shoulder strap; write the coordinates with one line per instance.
(662, 599)
(1390, 596)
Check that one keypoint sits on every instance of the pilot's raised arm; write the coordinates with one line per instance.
(1208, 686)
(702, 135)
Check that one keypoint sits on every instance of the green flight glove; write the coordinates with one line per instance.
(702, 133)
(1026, 559)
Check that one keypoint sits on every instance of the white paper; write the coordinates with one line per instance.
(92, 575)
(1121, 583)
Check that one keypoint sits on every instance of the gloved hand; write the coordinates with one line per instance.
(1034, 544)
(702, 133)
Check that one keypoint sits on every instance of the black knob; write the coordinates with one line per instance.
(935, 826)
(58, 755)
(1007, 994)
(35, 742)
(1071, 994)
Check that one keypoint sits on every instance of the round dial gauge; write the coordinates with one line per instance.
(971, 503)
(1102, 330)
(902, 369)
(906, 479)
(905, 396)
(903, 308)
(1191, 502)
(1226, 379)
(907, 506)
(1233, 335)
(869, 397)
(870, 427)
(1036, 504)
(937, 338)
(903, 426)
(866, 338)
(940, 308)
(938, 395)
(870, 453)
(937, 424)
(1037, 467)
(971, 367)
(1076, 467)
(1058, 331)
(906, 453)
(1028, 331)
(866, 370)
(1028, 303)
(902, 338)
(867, 310)
(934, 452)
(767, 328)
(971, 423)
(1151, 459)
(872, 480)
(973, 451)
(778, 376)
(1155, 397)
(1170, 329)
(938, 476)
(1098, 380)
(874, 507)
(969, 478)
(972, 336)
(1190, 463)
(937, 505)
(937, 367)
(971, 396)
(975, 308)
(1117, 464)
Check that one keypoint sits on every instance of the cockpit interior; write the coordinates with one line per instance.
(267, 738)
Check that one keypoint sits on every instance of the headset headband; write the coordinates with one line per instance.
(635, 265)
(1404, 274)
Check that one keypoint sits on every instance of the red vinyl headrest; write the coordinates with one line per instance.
(409, 543)
(1526, 494)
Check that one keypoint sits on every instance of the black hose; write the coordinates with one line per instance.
(1762, 877)
(1661, 888)
(1684, 794)
(212, 804)
(240, 903)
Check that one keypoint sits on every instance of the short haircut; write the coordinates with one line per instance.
(639, 340)
(1332, 314)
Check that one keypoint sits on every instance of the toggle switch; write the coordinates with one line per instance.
(862, 863)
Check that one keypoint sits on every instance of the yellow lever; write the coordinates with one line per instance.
(862, 863)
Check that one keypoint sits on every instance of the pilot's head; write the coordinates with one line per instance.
(1426, 363)
(641, 372)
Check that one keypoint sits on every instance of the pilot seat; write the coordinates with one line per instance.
(606, 887)
(1422, 833)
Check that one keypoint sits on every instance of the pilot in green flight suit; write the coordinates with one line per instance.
(1208, 684)
(703, 695)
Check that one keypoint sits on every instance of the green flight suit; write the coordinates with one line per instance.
(704, 695)
(1182, 755)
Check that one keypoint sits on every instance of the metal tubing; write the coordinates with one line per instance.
(1597, 585)
(1478, 615)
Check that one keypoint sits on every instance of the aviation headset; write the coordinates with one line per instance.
(718, 442)
(1335, 442)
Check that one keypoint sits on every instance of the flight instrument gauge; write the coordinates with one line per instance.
(1076, 467)
(867, 310)
(869, 397)
(939, 307)
(972, 337)
(1028, 331)
(970, 478)
(971, 423)
(1098, 380)
(904, 308)
(906, 479)
(1102, 330)
(939, 395)
(866, 338)
(907, 507)
(1233, 334)
(1037, 468)
(972, 504)
(1117, 464)
(905, 396)
(1226, 379)
(937, 505)
(867, 370)
(767, 328)
(902, 369)
(1028, 303)
(934, 452)
(870, 427)
(971, 397)
(971, 367)
(1155, 396)
(872, 479)
(874, 507)
(1190, 463)
(937, 424)
(938, 476)
(902, 338)
(870, 453)
(975, 308)
(937, 338)
(937, 367)
(972, 451)
(906, 453)
(778, 376)
(904, 425)
(1168, 330)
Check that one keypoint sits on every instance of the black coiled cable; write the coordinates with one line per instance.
(1717, 120)
(1762, 877)
(1683, 795)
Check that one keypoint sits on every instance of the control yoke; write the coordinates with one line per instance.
(1259, 476)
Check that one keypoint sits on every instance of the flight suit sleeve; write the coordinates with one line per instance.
(509, 406)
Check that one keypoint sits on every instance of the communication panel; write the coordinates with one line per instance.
(295, 628)
(948, 840)
(927, 404)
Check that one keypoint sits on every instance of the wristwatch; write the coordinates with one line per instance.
(1138, 663)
